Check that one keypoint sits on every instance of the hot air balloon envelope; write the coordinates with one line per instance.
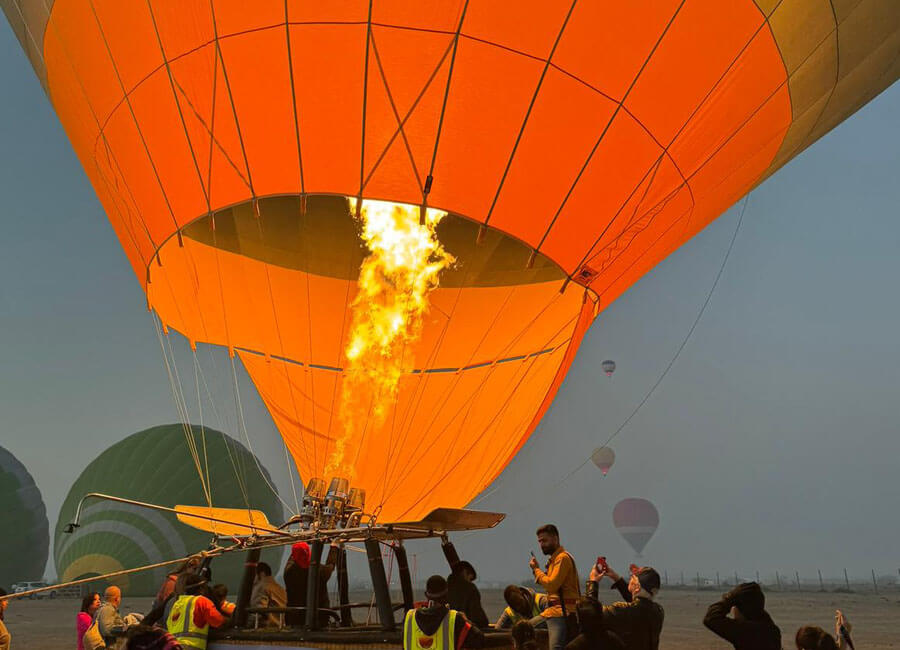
(573, 145)
(603, 457)
(23, 520)
(636, 520)
(609, 367)
(157, 466)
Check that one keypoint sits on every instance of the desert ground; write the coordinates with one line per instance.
(50, 624)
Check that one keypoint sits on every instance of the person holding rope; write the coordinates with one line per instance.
(560, 580)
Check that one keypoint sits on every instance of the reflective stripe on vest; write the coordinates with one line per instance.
(536, 610)
(180, 623)
(415, 639)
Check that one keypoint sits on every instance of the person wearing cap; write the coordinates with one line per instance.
(522, 604)
(188, 615)
(296, 576)
(463, 595)
(436, 626)
(638, 618)
(560, 580)
(749, 625)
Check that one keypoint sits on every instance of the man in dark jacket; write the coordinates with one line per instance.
(638, 619)
(438, 626)
(296, 576)
(463, 595)
(750, 626)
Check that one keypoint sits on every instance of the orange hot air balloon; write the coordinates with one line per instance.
(573, 145)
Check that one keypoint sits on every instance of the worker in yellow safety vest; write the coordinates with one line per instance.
(523, 604)
(190, 615)
(436, 626)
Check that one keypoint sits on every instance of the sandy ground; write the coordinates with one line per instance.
(50, 624)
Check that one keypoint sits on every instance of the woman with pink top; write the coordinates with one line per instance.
(89, 606)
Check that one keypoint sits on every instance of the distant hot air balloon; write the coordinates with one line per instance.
(23, 520)
(636, 520)
(609, 367)
(156, 466)
(573, 146)
(603, 457)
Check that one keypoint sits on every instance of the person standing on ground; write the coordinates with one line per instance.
(189, 616)
(89, 606)
(561, 583)
(109, 622)
(463, 595)
(436, 626)
(267, 593)
(4, 633)
(638, 619)
(749, 627)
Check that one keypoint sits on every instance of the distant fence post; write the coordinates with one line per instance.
(821, 584)
(874, 582)
(757, 576)
(717, 578)
(778, 579)
(666, 572)
(682, 578)
(846, 580)
(797, 575)
(698, 580)
(735, 579)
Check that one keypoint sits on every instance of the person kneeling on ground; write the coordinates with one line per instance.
(523, 604)
(436, 626)
(189, 615)
(749, 627)
(638, 620)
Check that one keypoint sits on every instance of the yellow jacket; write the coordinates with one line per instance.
(561, 578)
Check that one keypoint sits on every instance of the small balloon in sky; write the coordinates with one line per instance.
(609, 367)
(603, 458)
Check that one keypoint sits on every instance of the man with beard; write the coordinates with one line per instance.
(560, 580)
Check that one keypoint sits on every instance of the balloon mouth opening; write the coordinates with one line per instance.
(318, 234)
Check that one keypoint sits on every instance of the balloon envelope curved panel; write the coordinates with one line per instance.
(636, 520)
(23, 518)
(603, 458)
(157, 466)
(221, 137)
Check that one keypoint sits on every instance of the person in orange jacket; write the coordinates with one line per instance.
(560, 580)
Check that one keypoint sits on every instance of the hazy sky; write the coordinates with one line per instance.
(773, 443)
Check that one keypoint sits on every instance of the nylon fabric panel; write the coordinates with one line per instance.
(624, 157)
(565, 123)
(627, 32)
(530, 27)
(234, 300)
(489, 96)
(447, 436)
(702, 39)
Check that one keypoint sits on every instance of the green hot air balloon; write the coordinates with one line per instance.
(23, 520)
(157, 466)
